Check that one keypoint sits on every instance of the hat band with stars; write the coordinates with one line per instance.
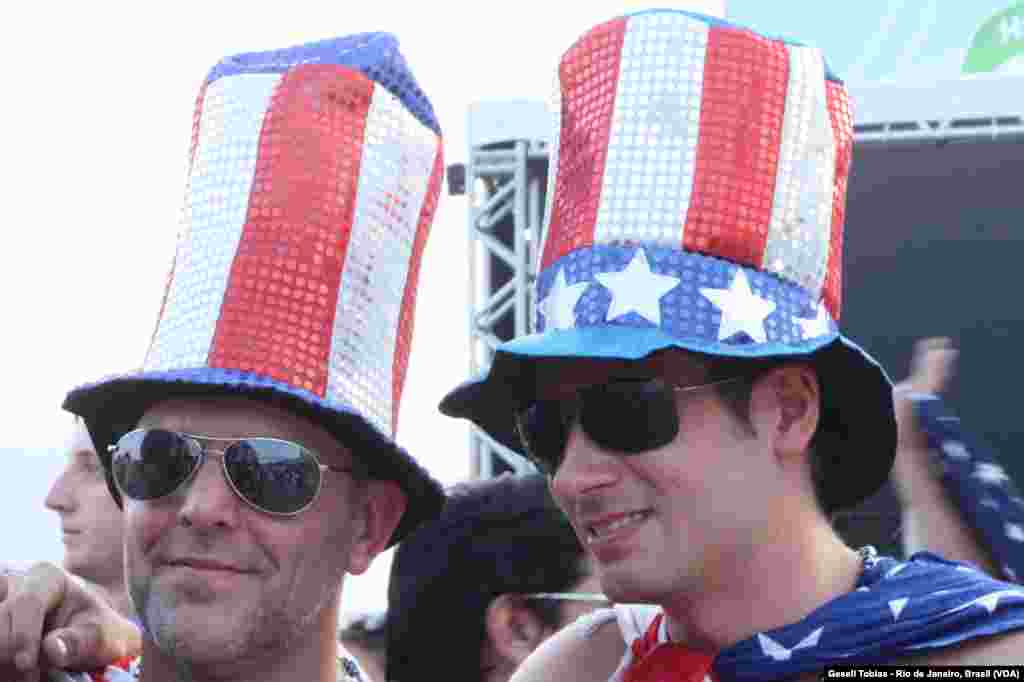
(709, 304)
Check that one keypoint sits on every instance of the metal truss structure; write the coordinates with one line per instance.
(967, 108)
(505, 176)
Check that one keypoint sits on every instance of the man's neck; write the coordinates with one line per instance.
(313, 658)
(780, 582)
(117, 597)
(113, 590)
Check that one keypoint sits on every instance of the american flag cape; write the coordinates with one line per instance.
(899, 609)
(986, 496)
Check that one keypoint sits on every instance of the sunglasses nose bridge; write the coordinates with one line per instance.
(209, 497)
(584, 465)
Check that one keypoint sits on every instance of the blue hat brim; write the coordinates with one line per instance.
(113, 406)
(857, 433)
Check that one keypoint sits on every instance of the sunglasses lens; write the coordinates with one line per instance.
(544, 429)
(150, 464)
(630, 417)
(273, 475)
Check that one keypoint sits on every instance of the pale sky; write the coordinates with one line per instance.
(97, 120)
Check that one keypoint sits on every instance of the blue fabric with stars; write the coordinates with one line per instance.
(691, 296)
(375, 55)
(986, 497)
(898, 610)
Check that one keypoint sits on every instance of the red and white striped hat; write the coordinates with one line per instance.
(313, 178)
(696, 199)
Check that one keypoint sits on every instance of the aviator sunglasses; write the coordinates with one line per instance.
(274, 476)
(623, 417)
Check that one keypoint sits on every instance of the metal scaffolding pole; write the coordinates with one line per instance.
(507, 143)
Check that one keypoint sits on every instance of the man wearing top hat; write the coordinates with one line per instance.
(688, 390)
(254, 452)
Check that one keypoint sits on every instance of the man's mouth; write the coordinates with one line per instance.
(610, 526)
(206, 565)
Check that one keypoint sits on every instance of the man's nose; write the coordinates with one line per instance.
(209, 499)
(60, 498)
(584, 468)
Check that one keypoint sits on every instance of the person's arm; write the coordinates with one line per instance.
(575, 655)
(51, 619)
(957, 502)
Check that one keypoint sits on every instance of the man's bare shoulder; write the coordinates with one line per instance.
(1003, 648)
(581, 652)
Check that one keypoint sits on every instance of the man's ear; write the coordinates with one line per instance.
(793, 395)
(379, 508)
(513, 630)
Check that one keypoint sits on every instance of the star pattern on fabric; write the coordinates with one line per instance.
(1014, 531)
(990, 602)
(955, 449)
(742, 310)
(896, 606)
(778, 652)
(558, 307)
(636, 289)
(815, 326)
(895, 570)
(992, 474)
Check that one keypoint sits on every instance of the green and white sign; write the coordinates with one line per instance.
(998, 45)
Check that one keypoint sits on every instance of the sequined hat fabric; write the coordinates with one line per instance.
(682, 139)
(314, 173)
(696, 199)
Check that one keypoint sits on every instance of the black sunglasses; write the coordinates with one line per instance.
(274, 476)
(622, 417)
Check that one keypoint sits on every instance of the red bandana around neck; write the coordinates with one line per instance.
(655, 661)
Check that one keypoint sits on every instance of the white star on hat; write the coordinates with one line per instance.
(1014, 532)
(558, 306)
(992, 474)
(815, 326)
(742, 311)
(637, 289)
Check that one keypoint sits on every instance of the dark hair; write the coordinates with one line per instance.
(367, 630)
(497, 536)
(736, 398)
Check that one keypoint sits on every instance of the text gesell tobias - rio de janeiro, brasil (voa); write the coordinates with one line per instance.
(924, 672)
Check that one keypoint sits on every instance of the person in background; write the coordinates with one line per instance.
(957, 501)
(365, 639)
(498, 573)
(91, 522)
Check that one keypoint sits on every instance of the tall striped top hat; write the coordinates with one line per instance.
(696, 199)
(313, 178)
